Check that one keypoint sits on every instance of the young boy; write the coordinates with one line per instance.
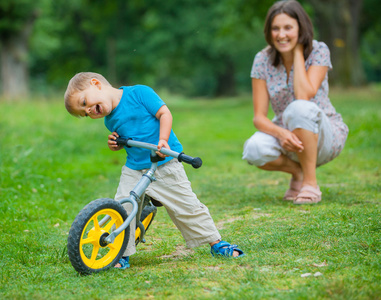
(137, 112)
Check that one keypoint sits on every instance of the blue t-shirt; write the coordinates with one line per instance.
(134, 118)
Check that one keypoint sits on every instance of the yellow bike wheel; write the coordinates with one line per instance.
(87, 248)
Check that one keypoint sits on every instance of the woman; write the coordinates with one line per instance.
(291, 75)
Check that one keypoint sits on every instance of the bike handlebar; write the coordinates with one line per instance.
(196, 162)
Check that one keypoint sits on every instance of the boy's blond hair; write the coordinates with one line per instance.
(79, 83)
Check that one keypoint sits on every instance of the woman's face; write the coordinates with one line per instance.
(284, 33)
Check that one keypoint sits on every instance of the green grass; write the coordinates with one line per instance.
(52, 165)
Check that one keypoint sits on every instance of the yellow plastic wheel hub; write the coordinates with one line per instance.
(94, 253)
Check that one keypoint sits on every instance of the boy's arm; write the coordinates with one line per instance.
(165, 118)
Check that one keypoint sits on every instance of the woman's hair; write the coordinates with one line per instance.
(79, 83)
(293, 9)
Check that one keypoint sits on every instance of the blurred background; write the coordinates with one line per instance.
(188, 47)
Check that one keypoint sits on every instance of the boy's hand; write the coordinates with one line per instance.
(112, 142)
(162, 143)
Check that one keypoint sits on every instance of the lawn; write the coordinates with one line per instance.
(52, 165)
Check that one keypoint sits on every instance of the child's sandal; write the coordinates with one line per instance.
(124, 263)
(225, 249)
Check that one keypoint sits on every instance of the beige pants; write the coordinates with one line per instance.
(173, 189)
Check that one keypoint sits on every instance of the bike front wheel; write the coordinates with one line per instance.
(88, 251)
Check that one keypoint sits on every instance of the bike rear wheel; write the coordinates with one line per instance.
(147, 216)
(87, 249)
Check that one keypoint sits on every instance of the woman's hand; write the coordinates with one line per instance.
(299, 49)
(290, 142)
(112, 142)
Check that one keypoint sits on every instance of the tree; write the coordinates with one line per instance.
(338, 24)
(196, 47)
(370, 39)
(193, 47)
(16, 24)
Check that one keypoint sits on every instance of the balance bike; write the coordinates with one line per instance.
(100, 232)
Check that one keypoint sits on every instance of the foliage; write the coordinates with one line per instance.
(193, 47)
(14, 14)
(52, 164)
(190, 47)
(371, 45)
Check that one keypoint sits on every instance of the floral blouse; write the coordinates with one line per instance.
(281, 93)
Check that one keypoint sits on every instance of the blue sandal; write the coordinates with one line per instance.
(225, 249)
(124, 263)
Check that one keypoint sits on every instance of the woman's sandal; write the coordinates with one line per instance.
(225, 249)
(124, 263)
(293, 191)
(308, 195)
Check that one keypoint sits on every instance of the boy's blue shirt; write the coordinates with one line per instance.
(134, 118)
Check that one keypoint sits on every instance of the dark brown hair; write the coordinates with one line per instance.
(293, 9)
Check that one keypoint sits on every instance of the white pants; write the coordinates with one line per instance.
(173, 189)
(262, 148)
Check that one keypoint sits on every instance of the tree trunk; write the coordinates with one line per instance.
(14, 63)
(111, 60)
(338, 26)
(225, 80)
(14, 71)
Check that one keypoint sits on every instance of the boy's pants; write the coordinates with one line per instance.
(173, 189)
(262, 148)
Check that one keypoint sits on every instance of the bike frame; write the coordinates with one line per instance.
(139, 189)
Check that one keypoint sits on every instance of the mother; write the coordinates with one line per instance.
(291, 74)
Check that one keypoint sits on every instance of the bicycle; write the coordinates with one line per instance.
(100, 232)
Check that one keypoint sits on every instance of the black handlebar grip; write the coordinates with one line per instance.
(196, 162)
(122, 142)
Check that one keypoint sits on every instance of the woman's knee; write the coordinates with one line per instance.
(302, 114)
(261, 149)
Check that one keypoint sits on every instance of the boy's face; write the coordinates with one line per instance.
(93, 102)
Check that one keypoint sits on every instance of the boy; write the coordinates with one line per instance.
(137, 112)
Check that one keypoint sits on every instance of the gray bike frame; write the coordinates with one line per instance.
(138, 191)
